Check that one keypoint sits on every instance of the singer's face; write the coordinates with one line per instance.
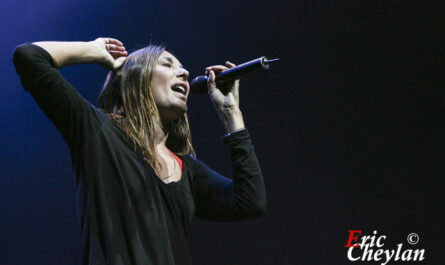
(170, 87)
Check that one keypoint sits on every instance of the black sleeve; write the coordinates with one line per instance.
(73, 116)
(222, 199)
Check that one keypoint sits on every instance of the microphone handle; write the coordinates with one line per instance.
(199, 84)
(242, 70)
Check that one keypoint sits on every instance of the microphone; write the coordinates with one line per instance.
(199, 85)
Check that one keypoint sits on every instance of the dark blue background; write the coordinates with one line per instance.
(349, 126)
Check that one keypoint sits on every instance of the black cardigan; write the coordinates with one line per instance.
(127, 214)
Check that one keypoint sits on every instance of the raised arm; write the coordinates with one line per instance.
(108, 52)
(37, 65)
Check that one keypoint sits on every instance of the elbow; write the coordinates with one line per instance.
(262, 208)
(19, 56)
(259, 209)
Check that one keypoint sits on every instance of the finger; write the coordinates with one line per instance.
(219, 68)
(236, 83)
(211, 85)
(216, 69)
(236, 91)
(112, 47)
(230, 65)
(117, 54)
(113, 41)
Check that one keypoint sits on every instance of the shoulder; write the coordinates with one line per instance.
(189, 159)
(192, 162)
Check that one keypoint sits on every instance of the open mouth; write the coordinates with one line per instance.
(179, 88)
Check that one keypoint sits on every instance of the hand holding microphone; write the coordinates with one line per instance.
(222, 85)
(223, 95)
(199, 84)
(225, 98)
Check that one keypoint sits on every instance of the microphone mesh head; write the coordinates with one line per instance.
(198, 85)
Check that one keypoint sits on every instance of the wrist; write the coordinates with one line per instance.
(232, 120)
(93, 52)
(229, 111)
(80, 52)
(230, 133)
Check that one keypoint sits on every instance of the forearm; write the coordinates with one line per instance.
(248, 185)
(242, 197)
(69, 53)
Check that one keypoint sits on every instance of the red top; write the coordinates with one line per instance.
(177, 159)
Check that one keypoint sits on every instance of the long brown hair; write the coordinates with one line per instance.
(127, 97)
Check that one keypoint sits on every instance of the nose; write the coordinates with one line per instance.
(182, 72)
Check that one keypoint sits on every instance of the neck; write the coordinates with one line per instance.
(161, 132)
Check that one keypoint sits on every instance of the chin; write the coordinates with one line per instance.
(181, 108)
(174, 113)
(180, 112)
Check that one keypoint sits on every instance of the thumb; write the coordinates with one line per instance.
(211, 85)
(119, 62)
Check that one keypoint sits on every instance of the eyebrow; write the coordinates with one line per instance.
(170, 60)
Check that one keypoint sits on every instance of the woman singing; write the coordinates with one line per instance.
(138, 182)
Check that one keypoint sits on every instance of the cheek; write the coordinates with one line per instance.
(159, 87)
(157, 92)
(156, 81)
